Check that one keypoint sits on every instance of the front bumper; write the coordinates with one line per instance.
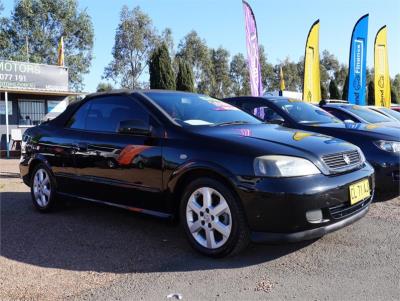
(312, 233)
(387, 176)
(276, 208)
(24, 169)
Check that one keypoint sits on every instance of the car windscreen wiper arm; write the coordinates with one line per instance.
(231, 123)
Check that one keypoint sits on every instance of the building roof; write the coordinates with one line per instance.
(41, 92)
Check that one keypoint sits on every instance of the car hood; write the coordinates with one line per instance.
(280, 140)
(371, 128)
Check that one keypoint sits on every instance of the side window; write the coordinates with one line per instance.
(104, 114)
(339, 114)
(261, 111)
(79, 119)
(270, 114)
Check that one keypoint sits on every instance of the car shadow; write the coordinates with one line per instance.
(87, 237)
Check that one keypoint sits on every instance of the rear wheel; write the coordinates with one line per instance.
(43, 188)
(213, 219)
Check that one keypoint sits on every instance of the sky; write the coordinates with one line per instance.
(282, 26)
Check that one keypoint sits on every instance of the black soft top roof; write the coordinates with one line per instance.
(62, 119)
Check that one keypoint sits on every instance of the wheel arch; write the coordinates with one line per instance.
(191, 171)
(37, 159)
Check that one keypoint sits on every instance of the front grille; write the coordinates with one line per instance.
(345, 209)
(337, 162)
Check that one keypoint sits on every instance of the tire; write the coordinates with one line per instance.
(43, 188)
(223, 217)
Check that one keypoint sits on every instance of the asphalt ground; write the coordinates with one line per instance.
(94, 252)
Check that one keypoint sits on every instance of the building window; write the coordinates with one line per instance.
(31, 112)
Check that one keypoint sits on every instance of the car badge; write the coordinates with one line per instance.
(346, 159)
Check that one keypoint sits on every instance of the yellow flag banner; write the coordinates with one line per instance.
(381, 78)
(311, 82)
(282, 80)
(61, 52)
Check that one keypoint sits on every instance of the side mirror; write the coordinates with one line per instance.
(348, 121)
(134, 127)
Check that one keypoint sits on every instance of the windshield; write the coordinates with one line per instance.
(303, 112)
(190, 109)
(391, 112)
(367, 114)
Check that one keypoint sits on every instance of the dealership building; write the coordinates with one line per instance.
(34, 92)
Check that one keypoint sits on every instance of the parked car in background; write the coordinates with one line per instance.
(227, 175)
(395, 107)
(357, 114)
(380, 144)
(392, 114)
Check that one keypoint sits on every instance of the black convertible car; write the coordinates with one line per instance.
(227, 175)
(380, 144)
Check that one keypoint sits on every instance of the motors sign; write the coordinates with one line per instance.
(29, 76)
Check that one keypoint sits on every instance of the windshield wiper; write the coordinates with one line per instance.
(231, 123)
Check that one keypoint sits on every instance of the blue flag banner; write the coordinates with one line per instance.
(358, 62)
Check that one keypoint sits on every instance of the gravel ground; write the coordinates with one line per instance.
(91, 252)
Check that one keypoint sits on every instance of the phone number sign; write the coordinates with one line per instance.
(22, 75)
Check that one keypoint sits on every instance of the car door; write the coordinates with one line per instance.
(55, 145)
(124, 169)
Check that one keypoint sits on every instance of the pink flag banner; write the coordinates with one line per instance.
(252, 51)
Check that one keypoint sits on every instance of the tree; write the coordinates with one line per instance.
(396, 88)
(345, 92)
(370, 74)
(329, 65)
(194, 50)
(293, 78)
(160, 69)
(333, 90)
(220, 69)
(340, 77)
(269, 76)
(393, 96)
(4, 32)
(330, 62)
(44, 22)
(167, 38)
(324, 93)
(371, 94)
(239, 74)
(104, 87)
(184, 79)
(135, 39)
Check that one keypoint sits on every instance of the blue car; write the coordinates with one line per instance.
(358, 114)
(392, 114)
(379, 143)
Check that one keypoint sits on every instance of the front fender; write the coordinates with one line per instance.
(188, 167)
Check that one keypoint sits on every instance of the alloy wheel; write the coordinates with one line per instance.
(42, 187)
(208, 217)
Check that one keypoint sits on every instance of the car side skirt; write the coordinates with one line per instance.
(133, 209)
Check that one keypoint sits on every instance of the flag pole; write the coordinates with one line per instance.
(27, 48)
(7, 126)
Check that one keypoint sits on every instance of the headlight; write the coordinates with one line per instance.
(283, 166)
(389, 146)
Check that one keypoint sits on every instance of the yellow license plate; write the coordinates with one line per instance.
(359, 191)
